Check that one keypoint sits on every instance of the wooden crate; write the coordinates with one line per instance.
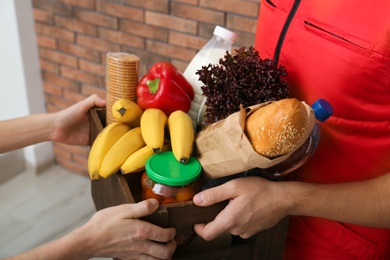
(118, 189)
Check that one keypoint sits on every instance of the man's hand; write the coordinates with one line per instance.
(255, 204)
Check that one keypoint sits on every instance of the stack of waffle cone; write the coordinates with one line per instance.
(122, 72)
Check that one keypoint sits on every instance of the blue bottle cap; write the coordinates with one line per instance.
(322, 109)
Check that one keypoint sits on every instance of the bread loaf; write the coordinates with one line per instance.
(275, 129)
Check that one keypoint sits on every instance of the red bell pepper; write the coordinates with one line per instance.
(167, 70)
(166, 88)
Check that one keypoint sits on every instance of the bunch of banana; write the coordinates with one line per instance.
(114, 144)
(102, 144)
(120, 147)
(182, 135)
(127, 112)
(120, 151)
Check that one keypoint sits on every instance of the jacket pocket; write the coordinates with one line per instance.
(270, 3)
(284, 5)
(340, 37)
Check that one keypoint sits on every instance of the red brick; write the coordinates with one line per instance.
(206, 30)
(197, 13)
(121, 11)
(147, 58)
(155, 5)
(122, 38)
(88, 90)
(43, 16)
(89, 4)
(191, 2)
(144, 30)
(78, 149)
(82, 150)
(58, 57)
(58, 103)
(60, 81)
(55, 7)
(96, 18)
(79, 51)
(50, 108)
(76, 26)
(246, 24)
(97, 44)
(170, 22)
(73, 149)
(80, 76)
(54, 31)
(232, 6)
(52, 89)
(49, 66)
(143, 69)
(81, 161)
(180, 65)
(62, 151)
(74, 158)
(245, 39)
(73, 97)
(92, 68)
(170, 50)
(187, 41)
(72, 166)
(46, 41)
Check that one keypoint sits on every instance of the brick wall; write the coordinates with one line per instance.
(75, 35)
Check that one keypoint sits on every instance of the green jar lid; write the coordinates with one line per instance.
(165, 169)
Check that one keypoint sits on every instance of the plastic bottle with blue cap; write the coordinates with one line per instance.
(322, 111)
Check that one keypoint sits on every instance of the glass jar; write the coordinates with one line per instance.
(170, 181)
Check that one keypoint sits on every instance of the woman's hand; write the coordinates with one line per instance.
(72, 125)
(117, 232)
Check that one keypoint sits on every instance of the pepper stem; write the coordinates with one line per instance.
(153, 85)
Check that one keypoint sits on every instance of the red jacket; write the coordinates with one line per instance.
(337, 50)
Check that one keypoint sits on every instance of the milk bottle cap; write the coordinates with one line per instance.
(224, 33)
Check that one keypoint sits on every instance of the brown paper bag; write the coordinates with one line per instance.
(223, 148)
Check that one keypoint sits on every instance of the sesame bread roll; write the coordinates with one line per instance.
(276, 129)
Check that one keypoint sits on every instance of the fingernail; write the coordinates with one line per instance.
(154, 202)
(199, 198)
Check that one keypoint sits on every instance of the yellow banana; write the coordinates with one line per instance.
(153, 122)
(120, 151)
(103, 142)
(136, 161)
(181, 131)
(127, 111)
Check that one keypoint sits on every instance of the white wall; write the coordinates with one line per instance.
(21, 91)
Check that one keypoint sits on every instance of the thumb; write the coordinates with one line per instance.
(95, 100)
(143, 208)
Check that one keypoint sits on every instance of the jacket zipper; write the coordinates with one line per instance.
(285, 29)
